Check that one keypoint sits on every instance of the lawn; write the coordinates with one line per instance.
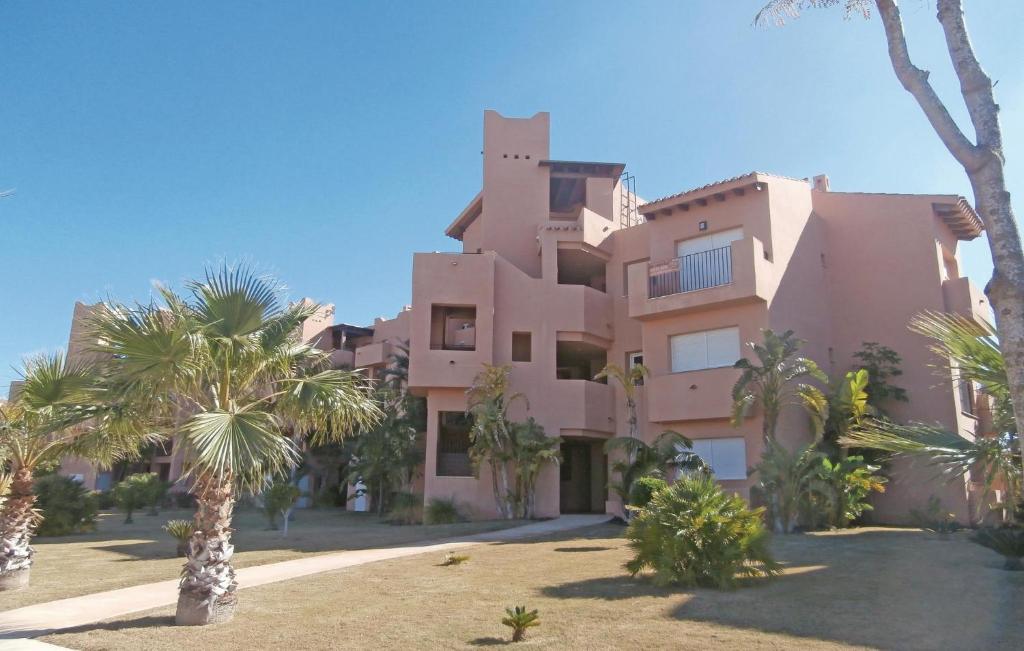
(874, 588)
(119, 555)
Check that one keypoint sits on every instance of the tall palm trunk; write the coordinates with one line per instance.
(207, 593)
(17, 524)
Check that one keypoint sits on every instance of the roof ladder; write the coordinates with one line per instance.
(628, 215)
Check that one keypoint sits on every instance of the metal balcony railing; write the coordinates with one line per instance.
(690, 273)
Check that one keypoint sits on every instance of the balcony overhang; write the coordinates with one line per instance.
(466, 217)
(960, 217)
(583, 169)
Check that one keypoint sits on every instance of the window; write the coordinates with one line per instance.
(635, 359)
(522, 350)
(707, 349)
(726, 456)
(453, 444)
(452, 327)
(966, 397)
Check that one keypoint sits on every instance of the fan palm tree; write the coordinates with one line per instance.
(225, 360)
(58, 410)
(669, 451)
(775, 382)
(973, 355)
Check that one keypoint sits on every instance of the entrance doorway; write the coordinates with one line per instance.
(583, 485)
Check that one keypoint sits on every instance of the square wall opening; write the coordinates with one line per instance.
(578, 267)
(522, 347)
(578, 360)
(453, 327)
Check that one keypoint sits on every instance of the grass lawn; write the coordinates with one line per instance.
(877, 588)
(119, 555)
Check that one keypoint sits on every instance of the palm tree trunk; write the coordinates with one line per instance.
(17, 524)
(207, 592)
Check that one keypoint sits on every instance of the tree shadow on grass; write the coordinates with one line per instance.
(611, 588)
(489, 641)
(149, 621)
(879, 589)
(582, 549)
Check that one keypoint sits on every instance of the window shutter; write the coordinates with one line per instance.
(689, 352)
(723, 347)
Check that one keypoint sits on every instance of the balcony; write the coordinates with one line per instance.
(733, 274)
(584, 405)
(693, 395)
(965, 298)
(373, 354)
(691, 273)
(342, 358)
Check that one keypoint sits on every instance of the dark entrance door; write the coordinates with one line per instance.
(576, 476)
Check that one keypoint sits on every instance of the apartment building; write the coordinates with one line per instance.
(564, 269)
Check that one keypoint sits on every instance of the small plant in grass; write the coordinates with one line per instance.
(519, 619)
(442, 511)
(451, 558)
(1008, 541)
(643, 489)
(934, 519)
(693, 534)
(181, 531)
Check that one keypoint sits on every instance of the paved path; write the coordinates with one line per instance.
(40, 619)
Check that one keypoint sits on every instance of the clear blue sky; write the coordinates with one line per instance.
(328, 141)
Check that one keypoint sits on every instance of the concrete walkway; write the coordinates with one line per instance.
(40, 619)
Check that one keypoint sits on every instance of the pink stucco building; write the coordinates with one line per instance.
(564, 269)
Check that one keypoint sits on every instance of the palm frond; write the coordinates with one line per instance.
(329, 404)
(247, 446)
(235, 301)
(973, 348)
(777, 12)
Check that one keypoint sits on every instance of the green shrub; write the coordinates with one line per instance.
(846, 484)
(406, 508)
(643, 489)
(136, 491)
(442, 511)
(181, 531)
(278, 499)
(1007, 541)
(66, 506)
(519, 619)
(693, 534)
(105, 499)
